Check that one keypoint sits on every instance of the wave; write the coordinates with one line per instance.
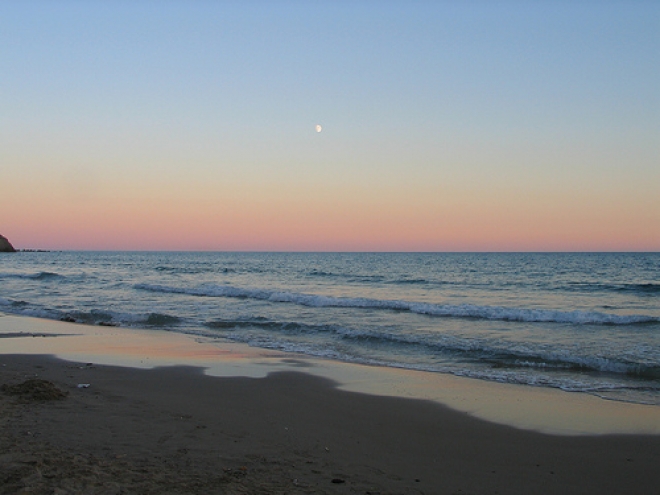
(192, 271)
(641, 289)
(497, 357)
(632, 288)
(33, 276)
(24, 308)
(638, 288)
(91, 317)
(440, 310)
(99, 317)
(352, 277)
(161, 320)
(177, 269)
(321, 273)
(645, 288)
(415, 281)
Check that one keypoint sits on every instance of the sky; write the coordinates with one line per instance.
(446, 126)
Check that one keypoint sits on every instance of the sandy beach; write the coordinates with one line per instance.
(329, 247)
(174, 429)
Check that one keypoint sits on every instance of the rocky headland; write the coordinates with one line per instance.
(5, 245)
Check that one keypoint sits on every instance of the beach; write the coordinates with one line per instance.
(172, 428)
(329, 247)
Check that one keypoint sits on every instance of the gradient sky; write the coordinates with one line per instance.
(447, 126)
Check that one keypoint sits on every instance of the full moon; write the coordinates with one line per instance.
(318, 128)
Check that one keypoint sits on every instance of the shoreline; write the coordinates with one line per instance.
(539, 409)
(270, 423)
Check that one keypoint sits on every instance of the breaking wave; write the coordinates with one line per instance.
(498, 356)
(441, 310)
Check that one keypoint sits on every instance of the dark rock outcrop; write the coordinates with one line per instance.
(5, 246)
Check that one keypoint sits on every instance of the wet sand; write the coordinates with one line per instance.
(174, 429)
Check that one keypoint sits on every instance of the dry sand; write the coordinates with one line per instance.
(173, 429)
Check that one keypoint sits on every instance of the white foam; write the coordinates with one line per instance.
(446, 310)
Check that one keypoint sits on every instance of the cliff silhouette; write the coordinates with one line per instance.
(5, 245)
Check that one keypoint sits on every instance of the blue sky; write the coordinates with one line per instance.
(541, 101)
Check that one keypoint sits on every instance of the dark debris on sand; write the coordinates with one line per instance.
(35, 390)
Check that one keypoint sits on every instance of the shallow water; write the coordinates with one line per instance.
(580, 322)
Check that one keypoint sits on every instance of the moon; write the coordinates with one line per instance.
(318, 128)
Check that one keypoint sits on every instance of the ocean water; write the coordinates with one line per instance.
(579, 322)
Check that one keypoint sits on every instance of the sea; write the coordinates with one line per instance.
(580, 322)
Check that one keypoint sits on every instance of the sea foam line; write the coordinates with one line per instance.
(446, 310)
(501, 353)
